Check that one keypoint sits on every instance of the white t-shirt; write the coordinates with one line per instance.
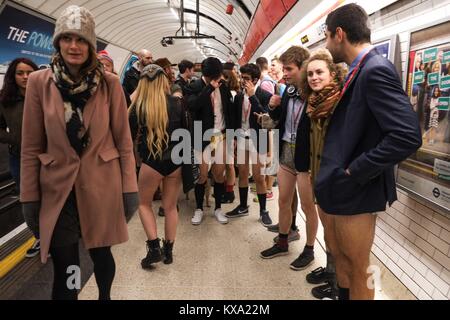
(219, 120)
(246, 109)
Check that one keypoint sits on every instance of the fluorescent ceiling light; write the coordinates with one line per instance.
(174, 13)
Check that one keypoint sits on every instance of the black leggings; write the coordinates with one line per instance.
(64, 281)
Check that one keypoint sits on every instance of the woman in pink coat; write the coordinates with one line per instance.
(78, 167)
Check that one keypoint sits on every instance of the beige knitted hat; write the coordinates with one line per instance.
(76, 20)
(152, 71)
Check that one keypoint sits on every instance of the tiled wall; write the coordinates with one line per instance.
(412, 239)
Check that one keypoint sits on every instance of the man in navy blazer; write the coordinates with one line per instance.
(372, 129)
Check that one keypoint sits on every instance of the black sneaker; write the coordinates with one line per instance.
(303, 260)
(34, 250)
(293, 236)
(228, 197)
(273, 228)
(273, 252)
(325, 292)
(237, 212)
(264, 218)
(320, 275)
(153, 255)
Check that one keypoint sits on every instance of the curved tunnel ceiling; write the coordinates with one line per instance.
(137, 24)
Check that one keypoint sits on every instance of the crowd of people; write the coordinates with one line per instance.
(88, 151)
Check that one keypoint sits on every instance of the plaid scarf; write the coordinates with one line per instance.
(321, 104)
(75, 96)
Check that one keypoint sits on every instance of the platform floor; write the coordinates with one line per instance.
(213, 261)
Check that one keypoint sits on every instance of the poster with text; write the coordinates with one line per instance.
(28, 36)
(428, 87)
(24, 35)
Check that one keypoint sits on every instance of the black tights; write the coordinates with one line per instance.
(63, 282)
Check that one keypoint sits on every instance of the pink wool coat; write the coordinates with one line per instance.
(50, 167)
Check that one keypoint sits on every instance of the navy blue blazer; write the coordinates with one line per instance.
(373, 128)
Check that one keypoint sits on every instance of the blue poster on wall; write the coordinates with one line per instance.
(384, 48)
(24, 35)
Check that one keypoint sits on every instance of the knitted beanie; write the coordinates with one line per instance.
(76, 20)
(152, 71)
(104, 55)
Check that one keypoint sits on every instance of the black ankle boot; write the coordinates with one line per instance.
(167, 250)
(153, 253)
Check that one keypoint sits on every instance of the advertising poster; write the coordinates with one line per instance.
(427, 172)
(25, 35)
(389, 48)
(384, 48)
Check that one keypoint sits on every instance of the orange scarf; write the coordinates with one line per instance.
(320, 104)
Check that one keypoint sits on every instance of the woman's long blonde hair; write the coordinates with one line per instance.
(151, 109)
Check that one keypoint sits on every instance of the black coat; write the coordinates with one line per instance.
(259, 103)
(182, 83)
(302, 143)
(198, 98)
(131, 80)
(11, 125)
(139, 131)
(372, 129)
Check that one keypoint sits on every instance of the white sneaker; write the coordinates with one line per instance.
(197, 218)
(220, 216)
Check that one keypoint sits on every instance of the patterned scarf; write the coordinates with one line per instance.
(321, 104)
(75, 96)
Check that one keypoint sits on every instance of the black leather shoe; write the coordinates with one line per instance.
(153, 254)
(167, 251)
(320, 275)
(326, 291)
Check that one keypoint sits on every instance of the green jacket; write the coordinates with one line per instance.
(317, 137)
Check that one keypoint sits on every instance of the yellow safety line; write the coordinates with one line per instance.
(15, 257)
